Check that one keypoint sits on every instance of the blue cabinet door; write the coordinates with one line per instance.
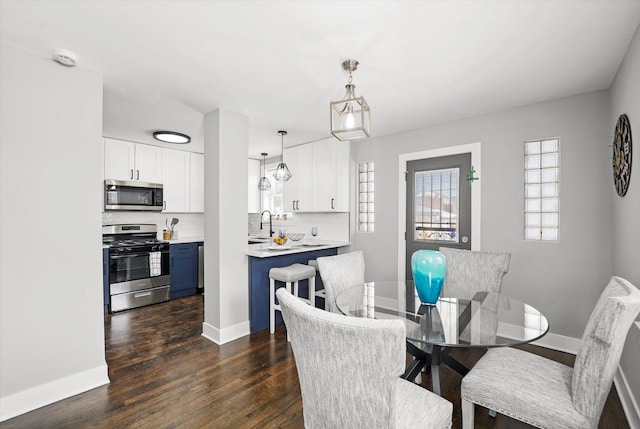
(183, 269)
(105, 280)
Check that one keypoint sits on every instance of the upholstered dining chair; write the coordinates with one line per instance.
(338, 273)
(470, 271)
(547, 394)
(349, 372)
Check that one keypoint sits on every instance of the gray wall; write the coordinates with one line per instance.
(562, 279)
(51, 321)
(625, 98)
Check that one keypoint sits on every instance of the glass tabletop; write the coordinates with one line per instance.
(487, 320)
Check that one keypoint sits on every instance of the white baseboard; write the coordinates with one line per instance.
(53, 391)
(222, 336)
(550, 341)
(629, 403)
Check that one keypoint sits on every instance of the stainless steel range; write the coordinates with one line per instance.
(138, 266)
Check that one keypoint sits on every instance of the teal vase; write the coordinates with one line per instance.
(429, 268)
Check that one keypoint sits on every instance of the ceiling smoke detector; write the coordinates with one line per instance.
(64, 57)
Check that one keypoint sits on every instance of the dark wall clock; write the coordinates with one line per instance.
(622, 155)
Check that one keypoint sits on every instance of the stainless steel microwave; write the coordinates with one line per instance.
(127, 196)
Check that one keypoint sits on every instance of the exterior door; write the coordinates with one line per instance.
(438, 205)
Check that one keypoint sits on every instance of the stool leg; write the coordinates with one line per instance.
(312, 291)
(295, 288)
(272, 306)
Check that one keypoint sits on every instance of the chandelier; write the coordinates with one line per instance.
(282, 173)
(351, 116)
(264, 184)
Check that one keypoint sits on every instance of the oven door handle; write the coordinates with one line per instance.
(129, 255)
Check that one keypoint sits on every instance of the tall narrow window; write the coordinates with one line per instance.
(366, 198)
(542, 189)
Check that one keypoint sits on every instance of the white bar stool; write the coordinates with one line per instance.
(319, 293)
(291, 274)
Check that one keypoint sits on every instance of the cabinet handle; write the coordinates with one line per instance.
(332, 207)
(137, 174)
(141, 294)
(293, 205)
(297, 204)
(132, 174)
(164, 205)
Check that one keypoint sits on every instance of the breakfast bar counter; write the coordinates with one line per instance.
(263, 257)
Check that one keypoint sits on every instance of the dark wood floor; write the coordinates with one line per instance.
(164, 374)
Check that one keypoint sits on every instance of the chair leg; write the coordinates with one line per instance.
(272, 306)
(312, 291)
(467, 414)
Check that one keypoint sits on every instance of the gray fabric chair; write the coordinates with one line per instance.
(349, 371)
(545, 393)
(339, 273)
(470, 271)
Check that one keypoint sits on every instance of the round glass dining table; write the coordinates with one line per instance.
(486, 319)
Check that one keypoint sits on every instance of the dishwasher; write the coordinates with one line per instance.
(200, 267)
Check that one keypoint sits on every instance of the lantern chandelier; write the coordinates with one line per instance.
(282, 173)
(351, 116)
(264, 184)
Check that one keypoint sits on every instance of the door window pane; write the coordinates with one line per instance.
(436, 205)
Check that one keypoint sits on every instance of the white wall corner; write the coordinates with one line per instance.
(223, 336)
(48, 393)
(629, 402)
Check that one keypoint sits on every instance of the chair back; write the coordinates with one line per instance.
(348, 367)
(602, 344)
(470, 271)
(339, 273)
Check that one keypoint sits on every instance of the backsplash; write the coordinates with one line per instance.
(331, 226)
(190, 224)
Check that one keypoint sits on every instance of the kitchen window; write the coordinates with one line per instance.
(542, 189)
(366, 196)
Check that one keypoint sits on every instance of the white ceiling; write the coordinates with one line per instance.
(279, 62)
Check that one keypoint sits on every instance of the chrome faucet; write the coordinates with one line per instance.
(270, 224)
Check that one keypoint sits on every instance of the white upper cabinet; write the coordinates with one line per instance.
(197, 182)
(330, 176)
(254, 193)
(125, 160)
(298, 190)
(176, 178)
(320, 177)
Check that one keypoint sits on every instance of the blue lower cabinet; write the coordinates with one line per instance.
(105, 280)
(259, 284)
(183, 269)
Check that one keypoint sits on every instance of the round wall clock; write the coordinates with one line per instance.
(622, 155)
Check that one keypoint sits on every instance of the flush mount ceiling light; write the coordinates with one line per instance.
(264, 184)
(171, 137)
(351, 116)
(282, 173)
(64, 57)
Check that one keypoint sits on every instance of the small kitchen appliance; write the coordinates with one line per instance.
(133, 196)
(138, 266)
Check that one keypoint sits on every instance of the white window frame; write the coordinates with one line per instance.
(542, 190)
(366, 197)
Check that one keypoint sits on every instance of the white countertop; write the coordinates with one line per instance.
(179, 240)
(266, 250)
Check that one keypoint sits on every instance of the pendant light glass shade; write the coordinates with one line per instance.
(282, 173)
(264, 184)
(351, 116)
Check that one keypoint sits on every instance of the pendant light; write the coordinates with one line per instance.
(264, 184)
(351, 116)
(282, 173)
